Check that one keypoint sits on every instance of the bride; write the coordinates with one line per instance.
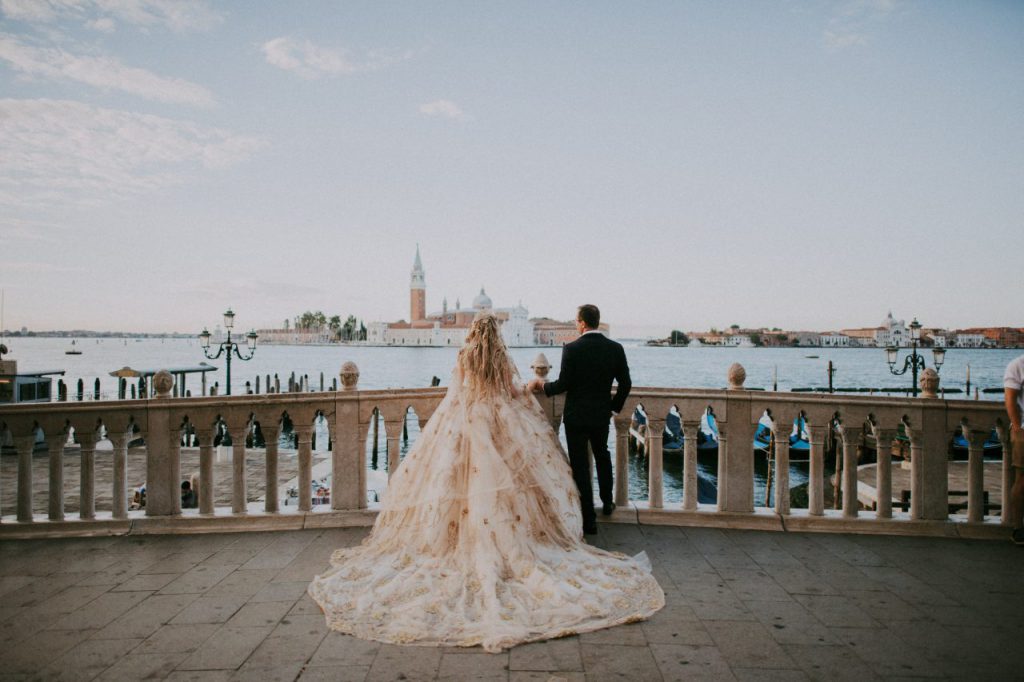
(479, 536)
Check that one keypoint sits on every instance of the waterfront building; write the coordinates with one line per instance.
(834, 340)
(449, 326)
(893, 332)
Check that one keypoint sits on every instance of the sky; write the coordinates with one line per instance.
(683, 165)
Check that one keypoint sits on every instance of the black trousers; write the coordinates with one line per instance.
(577, 437)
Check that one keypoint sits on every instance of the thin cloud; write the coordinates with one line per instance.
(176, 15)
(853, 21)
(444, 108)
(308, 60)
(101, 72)
(69, 153)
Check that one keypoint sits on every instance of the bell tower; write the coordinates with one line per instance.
(417, 290)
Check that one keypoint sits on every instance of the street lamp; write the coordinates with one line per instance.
(229, 346)
(913, 362)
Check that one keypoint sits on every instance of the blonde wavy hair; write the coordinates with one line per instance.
(484, 361)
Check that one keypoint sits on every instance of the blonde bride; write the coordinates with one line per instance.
(479, 536)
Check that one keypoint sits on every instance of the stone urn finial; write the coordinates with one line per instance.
(929, 383)
(163, 383)
(349, 376)
(736, 376)
(541, 366)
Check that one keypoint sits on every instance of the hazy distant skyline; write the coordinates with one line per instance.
(807, 165)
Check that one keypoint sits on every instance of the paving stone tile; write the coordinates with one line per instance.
(885, 606)
(534, 676)
(799, 580)
(305, 606)
(200, 676)
(408, 663)
(41, 649)
(70, 599)
(747, 645)
(791, 623)
(147, 617)
(13, 583)
(197, 580)
(176, 563)
(616, 661)
(291, 641)
(836, 611)
(245, 583)
(149, 582)
(830, 663)
(171, 639)
(759, 675)
(282, 672)
(553, 655)
(684, 662)
(341, 673)
(337, 649)
(290, 592)
(141, 667)
(207, 609)
(88, 659)
(724, 606)
(675, 625)
(474, 666)
(40, 589)
(886, 655)
(100, 611)
(226, 649)
(260, 613)
(631, 634)
(750, 584)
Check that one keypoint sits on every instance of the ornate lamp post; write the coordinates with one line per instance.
(229, 346)
(913, 362)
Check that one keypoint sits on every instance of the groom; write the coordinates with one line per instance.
(589, 364)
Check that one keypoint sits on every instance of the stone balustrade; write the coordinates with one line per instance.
(844, 420)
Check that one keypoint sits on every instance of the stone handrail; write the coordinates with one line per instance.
(929, 422)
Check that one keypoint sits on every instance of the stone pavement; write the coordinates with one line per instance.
(742, 605)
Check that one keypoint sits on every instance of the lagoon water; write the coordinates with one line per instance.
(415, 367)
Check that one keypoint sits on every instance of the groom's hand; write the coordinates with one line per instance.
(536, 385)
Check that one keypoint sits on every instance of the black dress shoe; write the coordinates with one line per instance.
(607, 508)
(590, 528)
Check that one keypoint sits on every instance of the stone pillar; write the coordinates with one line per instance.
(929, 464)
(206, 477)
(816, 471)
(655, 465)
(781, 428)
(270, 436)
(738, 493)
(393, 433)
(621, 462)
(690, 487)
(1006, 477)
(239, 483)
(723, 468)
(851, 438)
(55, 446)
(163, 491)
(24, 445)
(87, 496)
(975, 474)
(348, 459)
(305, 454)
(916, 472)
(883, 472)
(119, 506)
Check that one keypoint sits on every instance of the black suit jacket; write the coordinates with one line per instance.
(589, 364)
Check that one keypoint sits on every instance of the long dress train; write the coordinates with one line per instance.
(479, 541)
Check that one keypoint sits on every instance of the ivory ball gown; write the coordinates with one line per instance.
(479, 540)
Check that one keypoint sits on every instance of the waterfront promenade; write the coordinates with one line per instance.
(743, 605)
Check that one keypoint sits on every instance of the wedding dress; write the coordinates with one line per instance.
(479, 539)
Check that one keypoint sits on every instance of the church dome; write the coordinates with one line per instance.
(482, 301)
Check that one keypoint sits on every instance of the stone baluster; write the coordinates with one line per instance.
(781, 428)
(883, 471)
(305, 454)
(816, 470)
(55, 446)
(271, 433)
(851, 439)
(916, 472)
(239, 482)
(119, 506)
(655, 465)
(621, 462)
(975, 474)
(205, 438)
(25, 445)
(87, 481)
(690, 489)
(721, 503)
(1005, 476)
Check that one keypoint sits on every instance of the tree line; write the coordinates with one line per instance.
(349, 330)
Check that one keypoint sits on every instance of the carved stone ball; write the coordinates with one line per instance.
(929, 383)
(736, 376)
(163, 383)
(541, 366)
(349, 376)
